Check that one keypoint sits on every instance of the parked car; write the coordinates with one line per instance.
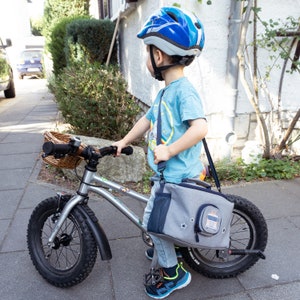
(30, 63)
(6, 72)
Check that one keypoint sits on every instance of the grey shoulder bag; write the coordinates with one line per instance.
(188, 214)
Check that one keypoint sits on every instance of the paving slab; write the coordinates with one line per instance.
(4, 225)
(274, 198)
(14, 179)
(284, 238)
(9, 201)
(25, 137)
(21, 281)
(15, 239)
(11, 148)
(290, 291)
(14, 161)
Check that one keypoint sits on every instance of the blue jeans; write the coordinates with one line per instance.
(165, 250)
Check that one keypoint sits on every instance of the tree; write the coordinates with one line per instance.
(251, 85)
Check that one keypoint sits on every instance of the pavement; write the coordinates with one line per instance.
(22, 121)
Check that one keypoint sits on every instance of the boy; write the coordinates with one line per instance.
(173, 38)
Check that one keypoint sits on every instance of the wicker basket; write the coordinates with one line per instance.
(70, 161)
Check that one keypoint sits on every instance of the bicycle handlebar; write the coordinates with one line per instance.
(60, 150)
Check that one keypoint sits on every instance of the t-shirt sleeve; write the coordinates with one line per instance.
(149, 114)
(191, 107)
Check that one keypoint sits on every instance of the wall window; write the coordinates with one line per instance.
(110, 9)
(105, 9)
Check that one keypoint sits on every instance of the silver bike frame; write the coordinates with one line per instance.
(87, 185)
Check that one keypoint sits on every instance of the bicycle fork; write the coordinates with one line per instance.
(64, 214)
(90, 219)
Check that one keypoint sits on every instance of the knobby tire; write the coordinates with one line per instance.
(72, 258)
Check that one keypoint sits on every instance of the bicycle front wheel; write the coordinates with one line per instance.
(72, 257)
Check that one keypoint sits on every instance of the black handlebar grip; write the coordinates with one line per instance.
(113, 150)
(127, 150)
(51, 149)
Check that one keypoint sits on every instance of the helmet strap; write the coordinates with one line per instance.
(157, 70)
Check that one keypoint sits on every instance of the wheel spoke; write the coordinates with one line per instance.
(65, 256)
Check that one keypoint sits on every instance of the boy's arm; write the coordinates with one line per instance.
(195, 133)
(138, 130)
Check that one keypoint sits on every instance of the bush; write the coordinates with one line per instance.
(36, 25)
(89, 41)
(94, 101)
(273, 168)
(285, 168)
(56, 45)
(56, 10)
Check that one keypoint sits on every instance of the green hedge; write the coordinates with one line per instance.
(56, 10)
(56, 45)
(94, 100)
(89, 41)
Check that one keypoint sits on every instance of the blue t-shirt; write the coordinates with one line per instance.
(180, 103)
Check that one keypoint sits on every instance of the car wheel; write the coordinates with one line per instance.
(10, 92)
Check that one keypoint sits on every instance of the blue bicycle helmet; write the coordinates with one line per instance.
(174, 31)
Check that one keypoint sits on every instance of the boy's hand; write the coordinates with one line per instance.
(120, 144)
(161, 153)
(195, 133)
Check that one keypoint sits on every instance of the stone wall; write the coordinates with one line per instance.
(126, 168)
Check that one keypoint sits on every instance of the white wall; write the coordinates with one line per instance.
(14, 20)
(208, 72)
(15, 24)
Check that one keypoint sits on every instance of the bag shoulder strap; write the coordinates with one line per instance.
(212, 166)
(162, 164)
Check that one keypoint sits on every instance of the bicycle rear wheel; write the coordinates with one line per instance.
(72, 257)
(248, 231)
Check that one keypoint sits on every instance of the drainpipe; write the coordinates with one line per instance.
(232, 72)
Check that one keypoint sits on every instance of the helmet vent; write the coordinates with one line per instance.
(198, 25)
(173, 16)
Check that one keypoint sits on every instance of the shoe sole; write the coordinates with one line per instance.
(184, 284)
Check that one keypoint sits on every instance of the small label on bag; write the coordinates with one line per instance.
(210, 220)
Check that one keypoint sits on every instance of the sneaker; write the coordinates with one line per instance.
(159, 285)
(150, 251)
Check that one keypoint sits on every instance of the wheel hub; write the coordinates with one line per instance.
(64, 240)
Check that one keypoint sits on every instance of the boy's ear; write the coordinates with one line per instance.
(159, 56)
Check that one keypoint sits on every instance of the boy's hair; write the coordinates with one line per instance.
(177, 59)
(182, 60)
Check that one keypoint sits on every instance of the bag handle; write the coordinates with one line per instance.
(162, 164)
